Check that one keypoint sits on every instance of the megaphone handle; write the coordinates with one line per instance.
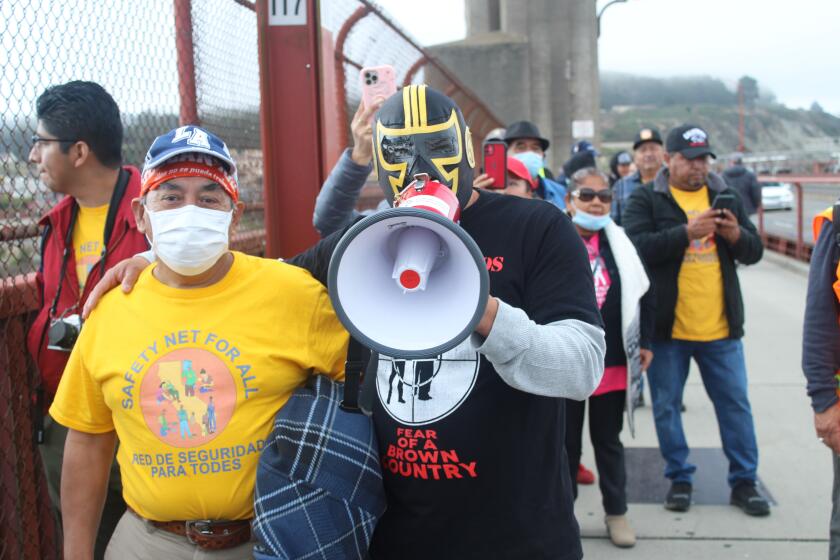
(368, 390)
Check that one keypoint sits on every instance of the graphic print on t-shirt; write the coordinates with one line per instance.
(87, 240)
(700, 250)
(418, 392)
(188, 397)
(600, 274)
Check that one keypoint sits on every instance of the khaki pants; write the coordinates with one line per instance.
(137, 539)
(52, 454)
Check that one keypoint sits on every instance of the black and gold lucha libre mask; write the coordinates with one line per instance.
(420, 130)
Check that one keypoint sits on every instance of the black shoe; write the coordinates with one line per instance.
(679, 497)
(746, 497)
(640, 401)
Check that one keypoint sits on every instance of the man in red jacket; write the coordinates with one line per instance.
(77, 149)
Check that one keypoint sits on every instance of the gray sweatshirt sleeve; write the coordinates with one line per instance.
(335, 205)
(561, 359)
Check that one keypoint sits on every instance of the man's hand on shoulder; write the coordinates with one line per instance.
(124, 272)
(827, 424)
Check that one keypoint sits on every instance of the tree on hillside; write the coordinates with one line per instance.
(817, 108)
(749, 89)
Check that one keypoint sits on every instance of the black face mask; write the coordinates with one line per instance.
(420, 130)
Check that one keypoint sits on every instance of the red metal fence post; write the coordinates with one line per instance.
(188, 113)
(800, 244)
(290, 120)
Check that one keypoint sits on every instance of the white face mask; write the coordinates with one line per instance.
(190, 240)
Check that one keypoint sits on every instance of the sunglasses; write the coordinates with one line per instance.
(588, 195)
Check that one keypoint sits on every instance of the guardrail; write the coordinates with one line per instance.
(798, 248)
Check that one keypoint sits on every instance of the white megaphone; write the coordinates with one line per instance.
(409, 282)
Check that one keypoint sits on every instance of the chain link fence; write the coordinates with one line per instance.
(165, 62)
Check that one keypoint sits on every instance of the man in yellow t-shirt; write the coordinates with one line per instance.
(188, 370)
(690, 246)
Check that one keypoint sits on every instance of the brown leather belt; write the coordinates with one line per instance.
(206, 534)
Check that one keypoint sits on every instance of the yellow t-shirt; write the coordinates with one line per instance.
(87, 240)
(191, 380)
(700, 314)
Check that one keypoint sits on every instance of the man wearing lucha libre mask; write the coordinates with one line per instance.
(476, 468)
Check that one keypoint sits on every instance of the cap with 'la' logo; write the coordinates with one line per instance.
(690, 141)
(187, 139)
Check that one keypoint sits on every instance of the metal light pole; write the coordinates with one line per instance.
(604, 9)
(740, 117)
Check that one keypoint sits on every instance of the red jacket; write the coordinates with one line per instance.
(125, 242)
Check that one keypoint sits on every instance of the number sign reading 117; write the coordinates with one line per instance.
(287, 12)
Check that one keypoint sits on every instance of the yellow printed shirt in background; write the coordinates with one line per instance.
(87, 240)
(191, 380)
(700, 314)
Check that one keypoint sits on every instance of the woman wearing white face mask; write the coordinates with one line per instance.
(626, 304)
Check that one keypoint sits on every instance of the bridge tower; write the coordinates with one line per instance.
(535, 60)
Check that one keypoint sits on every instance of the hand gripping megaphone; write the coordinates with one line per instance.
(409, 282)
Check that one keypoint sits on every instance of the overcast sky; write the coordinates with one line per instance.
(791, 48)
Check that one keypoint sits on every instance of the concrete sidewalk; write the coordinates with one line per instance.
(795, 467)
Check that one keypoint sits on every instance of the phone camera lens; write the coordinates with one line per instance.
(368, 82)
(374, 78)
(367, 75)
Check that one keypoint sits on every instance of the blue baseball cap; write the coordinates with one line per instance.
(583, 146)
(184, 140)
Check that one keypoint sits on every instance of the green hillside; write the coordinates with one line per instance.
(632, 102)
(766, 128)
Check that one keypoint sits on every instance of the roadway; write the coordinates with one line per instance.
(816, 198)
(793, 465)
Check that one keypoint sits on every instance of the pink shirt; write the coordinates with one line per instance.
(615, 377)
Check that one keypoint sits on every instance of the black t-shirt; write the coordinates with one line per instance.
(474, 468)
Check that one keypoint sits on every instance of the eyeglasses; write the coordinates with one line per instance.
(39, 140)
(588, 195)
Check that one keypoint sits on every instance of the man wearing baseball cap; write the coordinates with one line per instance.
(691, 229)
(648, 155)
(188, 370)
(519, 180)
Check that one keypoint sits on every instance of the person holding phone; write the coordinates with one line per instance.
(519, 181)
(691, 229)
(627, 307)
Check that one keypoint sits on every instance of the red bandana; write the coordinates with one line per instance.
(154, 178)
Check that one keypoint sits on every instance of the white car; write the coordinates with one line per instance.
(777, 196)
